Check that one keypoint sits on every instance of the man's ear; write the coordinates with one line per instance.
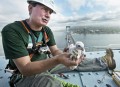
(30, 8)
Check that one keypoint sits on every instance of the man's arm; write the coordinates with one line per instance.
(55, 50)
(27, 68)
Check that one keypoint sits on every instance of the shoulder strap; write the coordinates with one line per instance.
(29, 32)
(45, 38)
(35, 47)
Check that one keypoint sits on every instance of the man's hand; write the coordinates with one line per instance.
(76, 55)
(64, 58)
(82, 57)
(66, 49)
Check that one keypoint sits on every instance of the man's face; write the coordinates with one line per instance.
(40, 15)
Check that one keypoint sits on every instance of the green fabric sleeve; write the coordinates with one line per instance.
(51, 42)
(13, 44)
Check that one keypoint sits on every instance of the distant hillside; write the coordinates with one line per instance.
(95, 29)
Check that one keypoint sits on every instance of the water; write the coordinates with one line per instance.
(1, 47)
(98, 39)
(89, 40)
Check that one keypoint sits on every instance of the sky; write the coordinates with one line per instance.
(69, 12)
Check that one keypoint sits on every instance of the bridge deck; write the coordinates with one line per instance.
(83, 79)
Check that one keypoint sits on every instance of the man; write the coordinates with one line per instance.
(29, 61)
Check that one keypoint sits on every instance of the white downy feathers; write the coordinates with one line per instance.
(76, 51)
